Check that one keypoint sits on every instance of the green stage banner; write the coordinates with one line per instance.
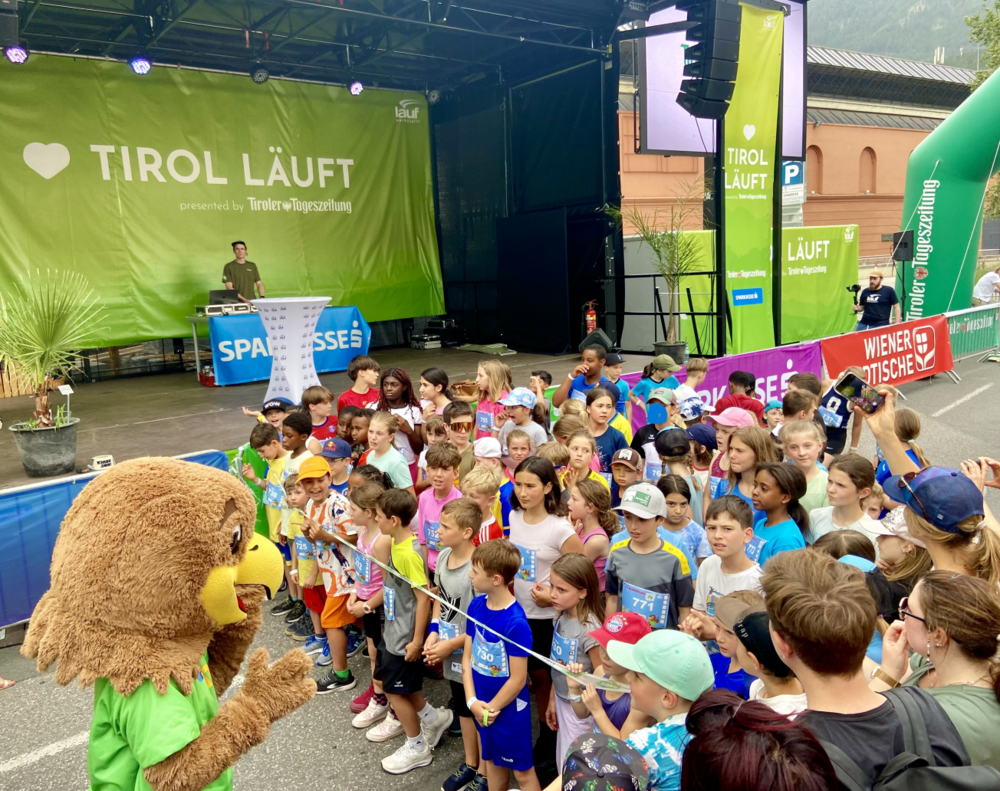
(817, 266)
(142, 183)
(750, 138)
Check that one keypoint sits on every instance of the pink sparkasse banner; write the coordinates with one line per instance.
(772, 367)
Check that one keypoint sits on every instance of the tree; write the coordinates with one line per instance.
(984, 28)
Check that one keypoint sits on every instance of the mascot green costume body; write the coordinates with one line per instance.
(157, 582)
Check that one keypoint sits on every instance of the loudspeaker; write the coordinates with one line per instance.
(902, 246)
(712, 62)
(8, 29)
(596, 338)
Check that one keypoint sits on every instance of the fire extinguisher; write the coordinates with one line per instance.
(590, 316)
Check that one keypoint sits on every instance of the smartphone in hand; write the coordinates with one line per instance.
(858, 391)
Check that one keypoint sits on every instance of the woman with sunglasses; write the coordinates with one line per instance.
(951, 623)
(944, 507)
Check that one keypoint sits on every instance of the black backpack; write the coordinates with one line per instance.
(913, 769)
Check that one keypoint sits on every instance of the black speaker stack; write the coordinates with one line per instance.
(8, 23)
(710, 64)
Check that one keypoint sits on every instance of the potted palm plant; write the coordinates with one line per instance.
(44, 322)
(676, 253)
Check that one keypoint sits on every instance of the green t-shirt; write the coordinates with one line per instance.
(128, 734)
(243, 276)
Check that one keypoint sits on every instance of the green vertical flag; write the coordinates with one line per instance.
(749, 166)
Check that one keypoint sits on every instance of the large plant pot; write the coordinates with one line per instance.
(678, 351)
(47, 451)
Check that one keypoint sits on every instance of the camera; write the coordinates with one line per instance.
(854, 289)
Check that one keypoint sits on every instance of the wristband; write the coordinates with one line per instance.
(574, 698)
(471, 702)
(294, 571)
(885, 678)
(433, 628)
(854, 447)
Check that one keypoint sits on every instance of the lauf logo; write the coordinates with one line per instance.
(406, 112)
(924, 345)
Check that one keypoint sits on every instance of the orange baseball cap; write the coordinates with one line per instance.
(314, 467)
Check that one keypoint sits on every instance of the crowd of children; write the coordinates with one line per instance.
(639, 587)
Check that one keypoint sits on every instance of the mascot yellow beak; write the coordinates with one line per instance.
(261, 565)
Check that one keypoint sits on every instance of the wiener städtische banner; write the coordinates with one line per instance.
(749, 168)
(142, 184)
(243, 352)
(895, 354)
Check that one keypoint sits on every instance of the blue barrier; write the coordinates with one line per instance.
(30, 517)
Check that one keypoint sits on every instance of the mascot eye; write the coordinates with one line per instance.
(237, 535)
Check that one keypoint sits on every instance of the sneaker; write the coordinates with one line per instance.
(355, 643)
(334, 683)
(360, 703)
(478, 784)
(324, 659)
(315, 644)
(433, 731)
(283, 608)
(460, 778)
(301, 630)
(284, 585)
(389, 728)
(297, 611)
(370, 715)
(407, 758)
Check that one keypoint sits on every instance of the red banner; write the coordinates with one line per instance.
(895, 354)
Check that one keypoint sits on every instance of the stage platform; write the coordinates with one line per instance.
(172, 414)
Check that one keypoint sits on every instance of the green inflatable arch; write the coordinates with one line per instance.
(946, 179)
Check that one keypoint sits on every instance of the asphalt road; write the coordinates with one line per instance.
(43, 741)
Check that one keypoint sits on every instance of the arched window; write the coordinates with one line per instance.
(867, 172)
(814, 171)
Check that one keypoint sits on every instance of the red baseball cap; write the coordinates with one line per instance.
(622, 627)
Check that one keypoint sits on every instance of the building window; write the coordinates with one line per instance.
(814, 171)
(867, 176)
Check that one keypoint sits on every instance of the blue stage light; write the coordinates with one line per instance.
(140, 64)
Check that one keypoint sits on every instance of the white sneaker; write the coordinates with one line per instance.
(407, 758)
(389, 728)
(370, 715)
(433, 731)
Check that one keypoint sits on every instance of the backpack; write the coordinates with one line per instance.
(913, 769)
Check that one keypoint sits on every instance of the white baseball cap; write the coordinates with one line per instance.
(644, 500)
(487, 448)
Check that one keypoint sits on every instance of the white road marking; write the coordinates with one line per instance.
(962, 400)
(75, 741)
(44, 752)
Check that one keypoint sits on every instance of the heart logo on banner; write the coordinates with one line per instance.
(46, 160)
(749, 131)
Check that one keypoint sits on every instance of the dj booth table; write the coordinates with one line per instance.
(241, 349)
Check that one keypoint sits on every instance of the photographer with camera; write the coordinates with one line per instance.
(876, 303)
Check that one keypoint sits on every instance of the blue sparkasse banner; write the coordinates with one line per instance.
(241, 350)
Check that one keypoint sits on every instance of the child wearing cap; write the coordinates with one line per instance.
(272, 411)
(338, 454)
(442, 468)
(612, 711)
(327, 533)
(776, 686)
(691, 410)
(517, 414)
(266, 440)
(674, 450)
(660, 405)
(729, 609)
(319, 402)
(646, 574)
(613, 372)
(671, 670)
(704, 444)
(773, 416)
(659, 373)
(626, 469)
(488, 453)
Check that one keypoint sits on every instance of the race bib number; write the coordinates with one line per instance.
(653, 472)
(754, 547)
(449, 631)
(274, 495)
(389, 602)
(579, 395)
(529, 564)
(363, 565)
(831, 419)
(431, 534)
(489, 659)
(304, 548)
(563, 649)
(608, 477)
(655, 607)
(484, 421)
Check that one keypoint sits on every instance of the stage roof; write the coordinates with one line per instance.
(405, 44)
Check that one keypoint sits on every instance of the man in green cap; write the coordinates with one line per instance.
(670, 670)
(659, 373)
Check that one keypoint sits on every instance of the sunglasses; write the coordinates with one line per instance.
(905, 613)
(462, 425)
(904, 483)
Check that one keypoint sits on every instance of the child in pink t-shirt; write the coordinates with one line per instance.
(443, 460)
(493, 380)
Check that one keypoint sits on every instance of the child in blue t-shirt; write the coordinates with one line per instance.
(683, 532)
(776, 492)
(495, 668)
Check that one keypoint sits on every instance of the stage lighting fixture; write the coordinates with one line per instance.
(434, 97)
(259, 73)
(356, 88)
(18, 54)
(140, 64)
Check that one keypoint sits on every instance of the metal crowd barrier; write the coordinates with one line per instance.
(974, 332)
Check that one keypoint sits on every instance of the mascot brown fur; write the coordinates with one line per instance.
(157, 565)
